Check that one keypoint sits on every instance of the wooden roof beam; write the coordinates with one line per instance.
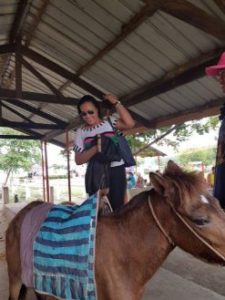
(14, 34)
(29, 67)
(8, 95)
(148, 10)
(199, 112)
(18, 69)
(43, 80)
(61, 71)
(76, 122)
(37, 18)
(26, 125)
(15, 112)
(38, 136)
(36, 111)
(7, 48)
(22, 7)
(70, 76)
(182, 75)
(220, 4)
(195, 16)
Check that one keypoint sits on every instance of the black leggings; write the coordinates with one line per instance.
(117, 186)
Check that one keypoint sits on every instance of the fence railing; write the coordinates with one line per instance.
(32, 189)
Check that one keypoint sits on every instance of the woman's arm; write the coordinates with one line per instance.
(85, 156)
(125, 120)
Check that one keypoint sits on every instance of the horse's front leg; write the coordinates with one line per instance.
(16, 288)
(15, 283)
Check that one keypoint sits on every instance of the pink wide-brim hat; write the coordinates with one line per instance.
(213, 70)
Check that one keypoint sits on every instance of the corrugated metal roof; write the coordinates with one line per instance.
(123, 47)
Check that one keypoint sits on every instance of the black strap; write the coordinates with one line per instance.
(110, 122)
(117, 132)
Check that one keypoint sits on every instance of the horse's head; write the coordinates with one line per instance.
(192, 206)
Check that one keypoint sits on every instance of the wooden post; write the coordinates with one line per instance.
(43, 170)
(51, 194)
(5, 194)
(68, 165)
(46, 169)
(18, 69)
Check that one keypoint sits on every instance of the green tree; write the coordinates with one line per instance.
(17, 154)
(207, 156)
(178, 133)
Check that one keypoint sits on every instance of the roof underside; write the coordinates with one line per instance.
(152, 54)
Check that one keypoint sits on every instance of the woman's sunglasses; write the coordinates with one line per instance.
(88, 112)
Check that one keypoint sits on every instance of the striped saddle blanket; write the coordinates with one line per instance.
(63, 252)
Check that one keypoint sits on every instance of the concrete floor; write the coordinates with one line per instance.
(181, 277)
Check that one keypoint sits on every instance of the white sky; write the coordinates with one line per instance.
(195, 141)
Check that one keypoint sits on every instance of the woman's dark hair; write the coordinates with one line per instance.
(89, 98)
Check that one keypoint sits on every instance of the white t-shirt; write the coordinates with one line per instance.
(85, 136)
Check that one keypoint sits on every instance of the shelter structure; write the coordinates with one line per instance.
(152, 152)
(150, 53)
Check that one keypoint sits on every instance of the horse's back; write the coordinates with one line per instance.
(13, 229)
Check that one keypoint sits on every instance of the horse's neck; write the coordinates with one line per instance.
(150, 244)
(137, 242)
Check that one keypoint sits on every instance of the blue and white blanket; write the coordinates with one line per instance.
(63, 262)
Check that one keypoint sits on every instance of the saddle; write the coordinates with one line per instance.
(104, 207)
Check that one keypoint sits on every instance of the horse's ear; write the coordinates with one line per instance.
(158, 182)
(172, 168)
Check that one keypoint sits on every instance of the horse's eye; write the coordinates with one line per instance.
(200, 221)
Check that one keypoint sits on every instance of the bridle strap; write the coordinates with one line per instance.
(197, 235)
(158, 222)
(186, 224)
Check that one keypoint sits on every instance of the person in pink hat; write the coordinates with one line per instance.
(218, 71)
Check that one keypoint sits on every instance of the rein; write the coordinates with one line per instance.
(158, 222)
(186, 224)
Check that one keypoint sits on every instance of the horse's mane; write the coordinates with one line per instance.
(183, 180)
(187, 180)
(133, 203)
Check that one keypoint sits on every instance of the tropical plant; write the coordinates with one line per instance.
(17, 154)
(171, 136)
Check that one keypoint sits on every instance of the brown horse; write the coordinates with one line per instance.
(132, 243)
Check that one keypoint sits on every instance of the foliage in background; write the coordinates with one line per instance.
(17, 154)
(182, 133)
(206, 156)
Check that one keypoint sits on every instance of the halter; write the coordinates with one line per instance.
(186, 224)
